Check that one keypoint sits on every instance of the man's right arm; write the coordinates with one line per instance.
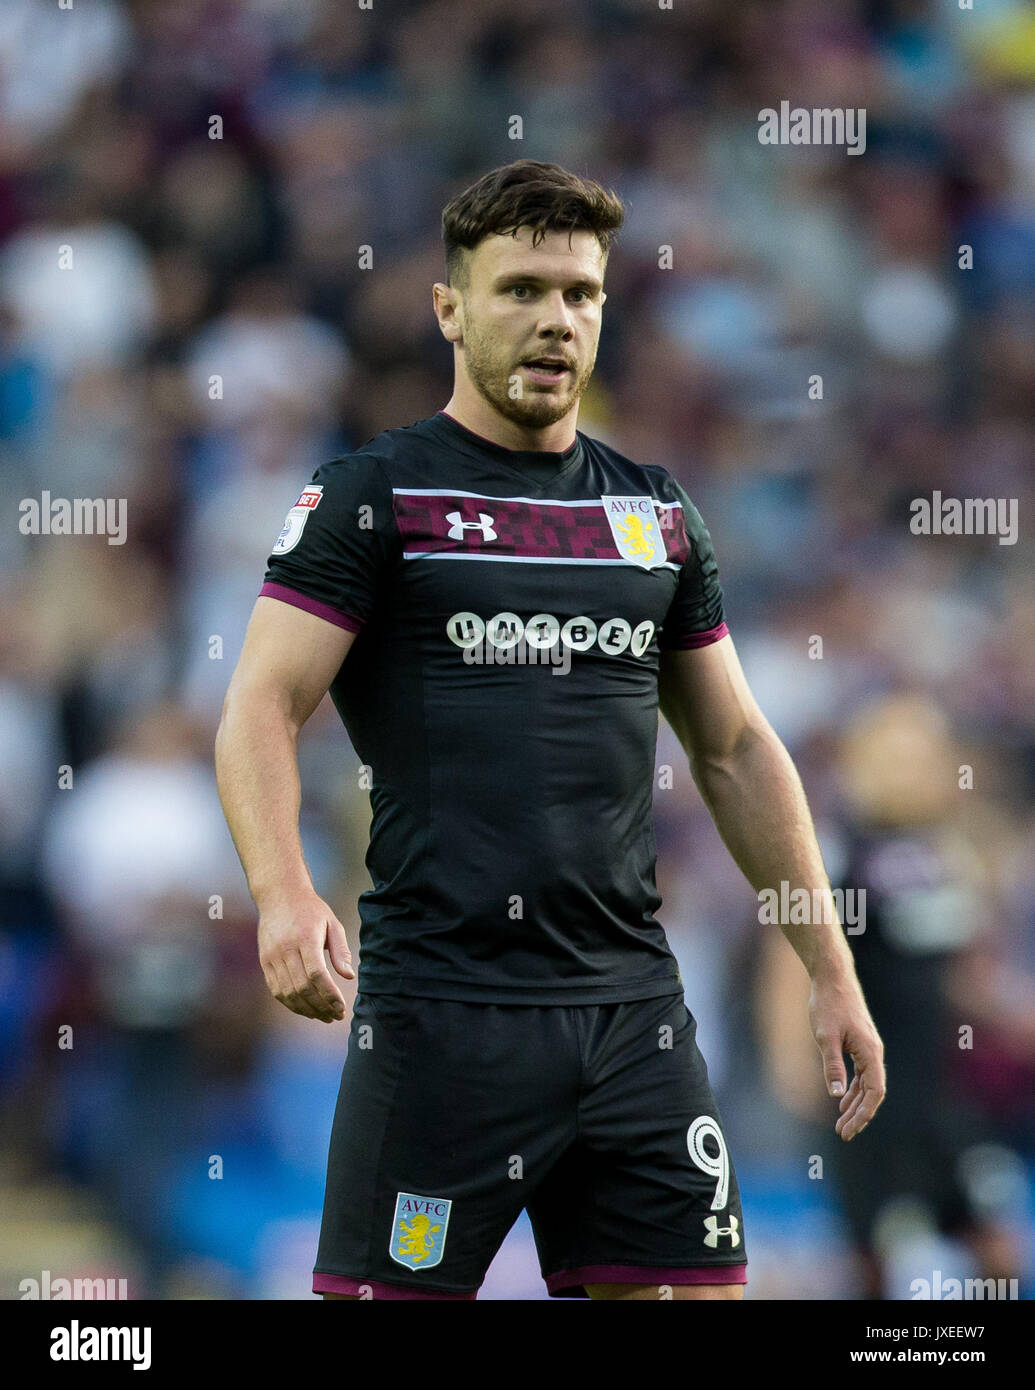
(287, 663)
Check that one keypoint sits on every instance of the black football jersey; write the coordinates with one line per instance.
(502, 693)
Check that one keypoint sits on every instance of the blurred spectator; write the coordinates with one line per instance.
(921, 917)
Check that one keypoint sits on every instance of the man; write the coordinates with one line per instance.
(519, 1039)
(936, 1158)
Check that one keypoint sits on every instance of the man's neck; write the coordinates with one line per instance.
(479, 417)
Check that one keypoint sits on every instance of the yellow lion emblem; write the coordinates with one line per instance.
(634, 534)
(417, 1242)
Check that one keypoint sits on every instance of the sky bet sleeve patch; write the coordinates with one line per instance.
(338, 541)
(294, 522)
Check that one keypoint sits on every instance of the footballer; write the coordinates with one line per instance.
(519, 1038)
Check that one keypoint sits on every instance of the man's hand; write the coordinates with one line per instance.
(292, 940)
(841, 1023)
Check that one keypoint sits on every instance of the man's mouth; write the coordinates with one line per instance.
(546, 369)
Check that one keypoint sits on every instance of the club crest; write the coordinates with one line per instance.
(634, 526)
(419, 1230)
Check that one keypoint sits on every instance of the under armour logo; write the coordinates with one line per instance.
(714, 1230)
(459, 526)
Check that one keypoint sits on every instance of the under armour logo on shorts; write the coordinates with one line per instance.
(715, 1231)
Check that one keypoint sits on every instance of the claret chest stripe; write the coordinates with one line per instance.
(451, 523)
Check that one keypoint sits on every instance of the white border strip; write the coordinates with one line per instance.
(527, 559)
(489, 497)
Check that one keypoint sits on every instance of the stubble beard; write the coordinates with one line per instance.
(493, 379)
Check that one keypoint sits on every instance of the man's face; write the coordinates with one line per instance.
(521, 305)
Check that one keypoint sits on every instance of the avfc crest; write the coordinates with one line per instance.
(419, 1230)
(636, 531)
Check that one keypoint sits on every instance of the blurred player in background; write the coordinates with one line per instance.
(934, 1168)
(520, 1037)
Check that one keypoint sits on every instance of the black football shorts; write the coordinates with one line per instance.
(596, 1118)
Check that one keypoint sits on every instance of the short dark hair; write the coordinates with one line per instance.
(527, 193)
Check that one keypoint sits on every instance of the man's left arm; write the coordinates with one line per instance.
(754, 794)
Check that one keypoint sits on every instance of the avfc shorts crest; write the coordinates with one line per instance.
(419, 1230)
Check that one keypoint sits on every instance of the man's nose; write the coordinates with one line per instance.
(556, 317)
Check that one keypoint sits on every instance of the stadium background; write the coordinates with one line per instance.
(238, 257)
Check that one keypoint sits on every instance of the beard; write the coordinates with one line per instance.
(492, 372)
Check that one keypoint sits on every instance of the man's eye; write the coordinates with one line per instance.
(518, 289)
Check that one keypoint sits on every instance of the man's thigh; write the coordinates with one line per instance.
(448, 1114)
(647, 1199)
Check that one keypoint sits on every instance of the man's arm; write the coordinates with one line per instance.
(287, 663)
(752, 789)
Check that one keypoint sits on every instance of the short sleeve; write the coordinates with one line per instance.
(695, 617)
(337, 542)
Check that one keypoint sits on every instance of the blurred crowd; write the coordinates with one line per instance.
(185, 324)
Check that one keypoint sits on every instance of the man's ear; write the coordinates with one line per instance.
(445, 302)
(603, 296)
